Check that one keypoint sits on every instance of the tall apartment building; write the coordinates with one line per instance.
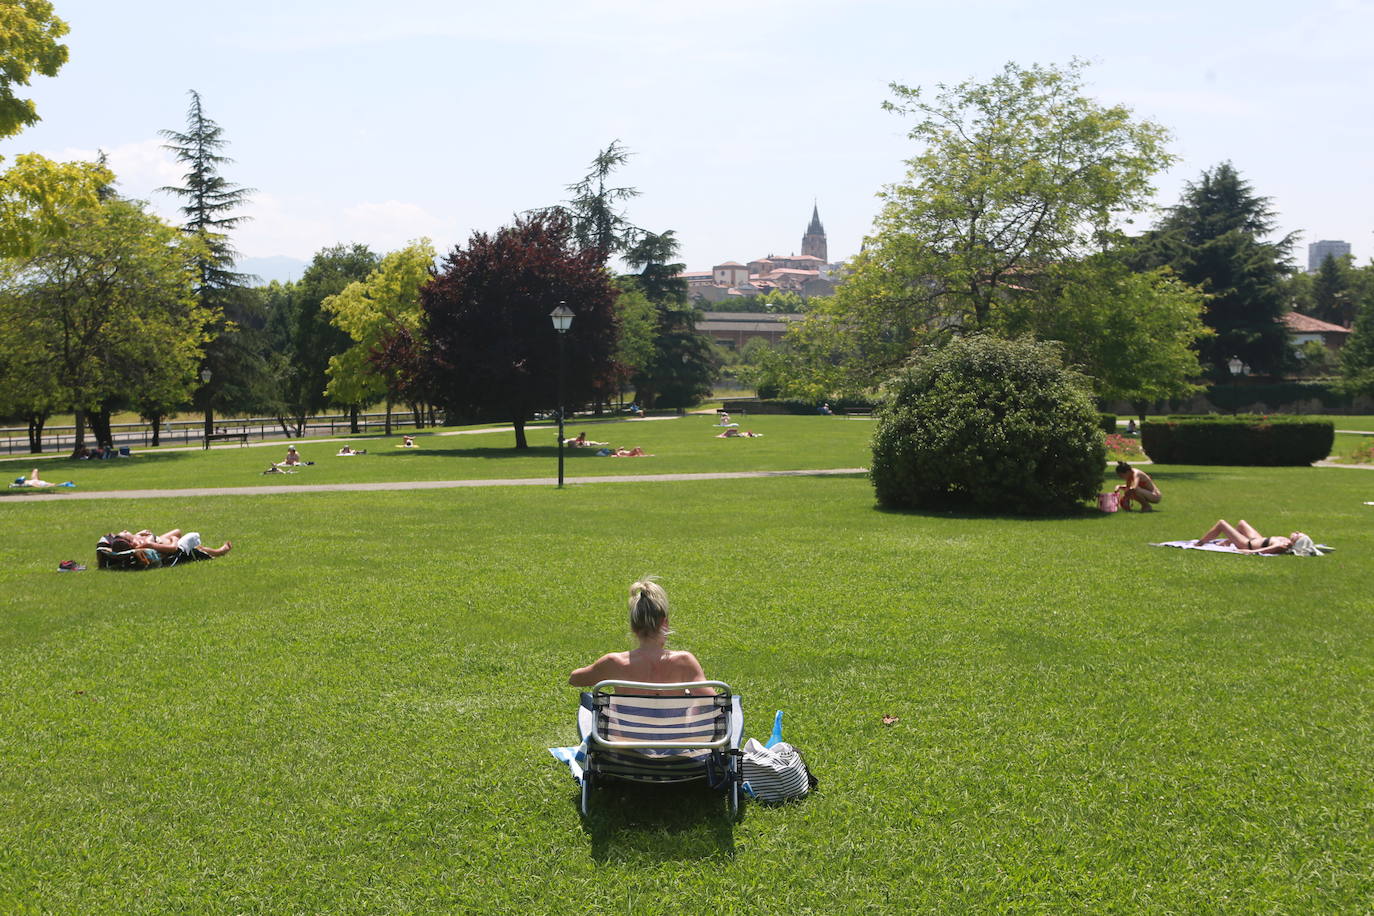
(1318, 252)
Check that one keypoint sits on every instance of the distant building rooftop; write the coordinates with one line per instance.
(1306, 324)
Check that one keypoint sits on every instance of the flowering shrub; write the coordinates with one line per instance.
(1123, 448)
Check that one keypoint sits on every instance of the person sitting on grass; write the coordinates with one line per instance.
(292, 458)
(33, 480)
(651, 661)
(407, 442)
(347, 452)
(1246, 539)
(1137, 486)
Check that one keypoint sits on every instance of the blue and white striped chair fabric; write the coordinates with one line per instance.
(659, 738)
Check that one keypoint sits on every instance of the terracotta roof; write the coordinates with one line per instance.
(1306, 324)
(730, 264)
(794, 271)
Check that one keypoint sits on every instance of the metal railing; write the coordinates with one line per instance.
(59, 439)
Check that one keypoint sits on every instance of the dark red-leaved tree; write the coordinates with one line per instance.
(490, 348)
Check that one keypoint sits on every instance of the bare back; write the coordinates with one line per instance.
(651, 665)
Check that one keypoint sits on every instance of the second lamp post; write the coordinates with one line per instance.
(562, 320)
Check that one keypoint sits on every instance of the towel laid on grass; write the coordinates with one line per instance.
(1218, 547)
(1214, 546)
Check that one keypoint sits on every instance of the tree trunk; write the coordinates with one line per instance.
(353, 419)
(418, 412)
(100, 427)
(433, 420)
(36, 422)
(520, 442)
(300, 426)
(156, 421)
(285, 428)
(79, 438)
(387, 431)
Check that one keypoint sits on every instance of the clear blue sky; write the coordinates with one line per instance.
(382, 122)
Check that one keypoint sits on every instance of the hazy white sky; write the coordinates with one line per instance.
(382, 122)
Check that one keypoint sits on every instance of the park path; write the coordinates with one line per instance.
(65, 495)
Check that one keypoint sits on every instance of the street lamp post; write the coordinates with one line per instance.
(209, 416)
(562, 320)
(1236, 366)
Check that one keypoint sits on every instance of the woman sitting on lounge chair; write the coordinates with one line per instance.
(1245, 539)
(651, 661)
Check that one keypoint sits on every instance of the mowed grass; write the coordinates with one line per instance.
(685, 444)
(350, 712)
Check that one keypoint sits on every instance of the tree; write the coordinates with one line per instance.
(37, 195)
(1015, 174)
(31, 31)
(682, 364)
(597, 223)
(1214, 239)
(1333, 299)
(369, 311)
(488, 343)
(104, 312)
(638, 320)
(1357, 356)
(315, 339)
(1133, 334)
(236, 356)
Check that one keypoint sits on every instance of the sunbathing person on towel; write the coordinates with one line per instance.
(1246, 539)
(33, 481)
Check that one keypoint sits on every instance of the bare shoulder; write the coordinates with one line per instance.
(686, 663)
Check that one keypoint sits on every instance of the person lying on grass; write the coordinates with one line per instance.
(635, 452)
(581, 441)
(1137, 486)
(1246, 539)
(34, 481)
(651, 661)
(347, 452)
(407, 442)
(735, 433)
(187, 544)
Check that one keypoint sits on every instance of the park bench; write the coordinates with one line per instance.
(241, 436)
(861, 412)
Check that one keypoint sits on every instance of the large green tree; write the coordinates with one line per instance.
(1357, 356)
(1218, 239)
(103, 315)
(1013, 174)
(370, 311)
(315, 339)
(237, 355)
(681, 364)
(1334, 294)
(37, 195)
(1133, 334)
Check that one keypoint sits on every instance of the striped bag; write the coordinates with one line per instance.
(774, 774)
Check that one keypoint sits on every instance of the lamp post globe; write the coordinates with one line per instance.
(562, 318)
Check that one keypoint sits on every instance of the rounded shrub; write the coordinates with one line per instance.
(988, 425)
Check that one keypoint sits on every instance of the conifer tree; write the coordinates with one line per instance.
(1216, 238)
(236, 355)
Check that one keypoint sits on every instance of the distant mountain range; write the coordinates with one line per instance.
(277, 267)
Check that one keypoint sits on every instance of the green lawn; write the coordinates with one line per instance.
(685, 444)
(350, 712)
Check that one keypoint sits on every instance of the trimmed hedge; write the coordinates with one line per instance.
(1107, 421)
(1246, 439)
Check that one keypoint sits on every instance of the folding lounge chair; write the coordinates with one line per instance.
(661, 738)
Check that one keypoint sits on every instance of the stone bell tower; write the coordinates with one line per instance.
(813, 243)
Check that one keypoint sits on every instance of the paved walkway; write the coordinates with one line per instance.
(65, 495)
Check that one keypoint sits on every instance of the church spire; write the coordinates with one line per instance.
(813, 243)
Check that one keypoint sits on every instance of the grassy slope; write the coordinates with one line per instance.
(350, 712)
